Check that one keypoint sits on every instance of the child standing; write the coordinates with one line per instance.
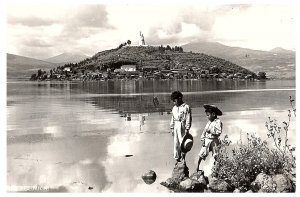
(211, 133)
(181, 122)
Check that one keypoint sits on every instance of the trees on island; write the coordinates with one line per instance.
(262, 75)
(128, 43)
(168, 48)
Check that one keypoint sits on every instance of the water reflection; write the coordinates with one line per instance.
(149, 152)
(155, 86)
(232, 101)
(73, 136)
(131, 104)
(52, 165)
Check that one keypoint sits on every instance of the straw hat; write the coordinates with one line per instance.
(187, 143)
(213, 108)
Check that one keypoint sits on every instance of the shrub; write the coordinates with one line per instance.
(278, 134)
(239, 164)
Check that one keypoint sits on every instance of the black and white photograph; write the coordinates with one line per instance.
(149, 97)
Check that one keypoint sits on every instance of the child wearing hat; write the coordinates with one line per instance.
(180, 125)
(211, 133)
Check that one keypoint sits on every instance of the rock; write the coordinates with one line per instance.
(275, 183)
(262, 183)
(243, 189)
(90, 188)
(292, 177)
(249, 191)
(172, 184)
(203, 180)
(191, 185)
(199, 176)
(180, 182)
(236, 191)
(149, 177)
(217, 185)
(283, 184)
(180, 171)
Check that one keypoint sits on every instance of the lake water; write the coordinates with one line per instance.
(69, 136)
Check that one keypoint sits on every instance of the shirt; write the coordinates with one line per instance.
(213, 129)
(183, 114)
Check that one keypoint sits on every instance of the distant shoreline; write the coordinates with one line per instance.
(142, 79)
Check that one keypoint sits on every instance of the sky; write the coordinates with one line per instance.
(43, 30)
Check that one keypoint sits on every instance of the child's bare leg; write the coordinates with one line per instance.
(199, 162)
(183, 156)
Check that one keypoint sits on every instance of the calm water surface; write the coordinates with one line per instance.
(69, 136)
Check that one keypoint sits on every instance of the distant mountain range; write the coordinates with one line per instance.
(67, 58)
(23, 67)
(281, 50)
(278, 63)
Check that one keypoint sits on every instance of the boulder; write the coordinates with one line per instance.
(171, 182)
(217, 185)
(149, 177)
(263, 183)
(180, 171)
(276, 183)
(283, 184)
(181, 182)
(199, 176)
(191, 185)
(292, 177)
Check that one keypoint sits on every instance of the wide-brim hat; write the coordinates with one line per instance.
(187, 143)
(213, 108)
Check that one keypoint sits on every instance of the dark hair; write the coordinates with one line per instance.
(176, 95)
(211, 111)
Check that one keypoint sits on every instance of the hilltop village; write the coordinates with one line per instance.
(147, 62)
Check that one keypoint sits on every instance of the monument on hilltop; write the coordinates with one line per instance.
(142, 40)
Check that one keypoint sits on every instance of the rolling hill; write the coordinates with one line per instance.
(155, 56)
(277, 63)
(67, 58)
(23, 67)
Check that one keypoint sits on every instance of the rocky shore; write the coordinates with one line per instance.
(180, 181)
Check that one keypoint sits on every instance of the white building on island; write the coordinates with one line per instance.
(128, 67)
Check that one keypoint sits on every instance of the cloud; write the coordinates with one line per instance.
(86, 20)
(92, 28)
(91, 16)
(36, 42)
(232, 8)
(30, 21)
(41, 31)
(202, 17)
(190, 23)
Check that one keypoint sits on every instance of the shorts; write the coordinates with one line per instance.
(210, 145)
